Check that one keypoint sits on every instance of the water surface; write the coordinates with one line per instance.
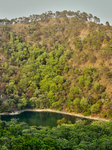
(40, 118)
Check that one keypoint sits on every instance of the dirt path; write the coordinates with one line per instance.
(56, 111)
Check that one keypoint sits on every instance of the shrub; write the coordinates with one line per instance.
(81, 81)
(60, 108)
(62, 60)
(67, 54)
(87, 113)
(78, 111)
(96, 86)
(108, 108)
(76, 71)
(55, 105)
(9, 72)
(66, 68)
(99, 102)
(104, 114)
(87, 84)
(0, 101)
(92, 58)
(63, 121)
(9, 110)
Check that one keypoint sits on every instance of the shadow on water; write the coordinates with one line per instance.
(40, 118)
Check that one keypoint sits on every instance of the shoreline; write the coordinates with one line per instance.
(56, 111)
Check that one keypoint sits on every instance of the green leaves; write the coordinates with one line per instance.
(76, 102)
(84, 103)
(82, 134)
(23, 101)
(74, 91)
(45, 74)
(95, 108)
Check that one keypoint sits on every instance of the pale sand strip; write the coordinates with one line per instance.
(55, 111)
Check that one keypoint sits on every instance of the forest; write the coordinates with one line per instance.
(82, 135)
(62, 63)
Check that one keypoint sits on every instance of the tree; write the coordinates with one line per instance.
(76, 14)
(76, 102)
(23, 101)
(34, 102)
(4, 147)
(84, 103)
(96, 20)
(63, 121)
(81, 81)
(108, 108)
(108, 25)
(74, 91)
(50, 14)
(57, 14)
(84, 16)
(95, 108)
(49, 143)
(90, 16)
(64, 13)
(68, 54)
(51, 96)
(62, 60)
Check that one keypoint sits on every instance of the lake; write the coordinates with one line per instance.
(40, 118)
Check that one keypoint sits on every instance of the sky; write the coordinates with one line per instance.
(19, 8)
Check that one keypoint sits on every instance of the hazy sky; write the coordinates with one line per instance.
(19, 8)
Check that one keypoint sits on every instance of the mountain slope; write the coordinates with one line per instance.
(58, 63)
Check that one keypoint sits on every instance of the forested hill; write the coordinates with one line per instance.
(62, 63)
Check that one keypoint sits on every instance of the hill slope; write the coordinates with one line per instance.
(58, 63)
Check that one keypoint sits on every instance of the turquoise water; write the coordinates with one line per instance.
(40, 118)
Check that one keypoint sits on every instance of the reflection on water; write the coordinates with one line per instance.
(40, 118)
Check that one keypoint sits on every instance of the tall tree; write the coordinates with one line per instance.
(76, 14)
(50, 14)
(57, 14)
(90, 16)
(96, 20)
(84, 16)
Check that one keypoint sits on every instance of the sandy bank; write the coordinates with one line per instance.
(55, 111)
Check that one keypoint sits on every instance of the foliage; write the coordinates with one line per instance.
(84, 103)
(95, 108)
(73, 92)
(16, 135)
(46, 64)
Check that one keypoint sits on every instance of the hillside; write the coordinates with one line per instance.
(62, 63)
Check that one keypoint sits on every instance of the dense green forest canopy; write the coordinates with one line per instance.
(60, 63)
(79, 136)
